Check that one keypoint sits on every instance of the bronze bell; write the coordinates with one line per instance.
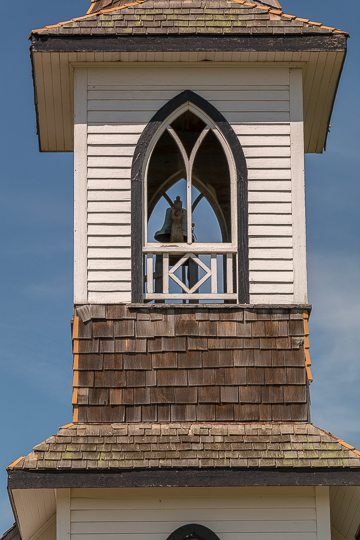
(164, 234)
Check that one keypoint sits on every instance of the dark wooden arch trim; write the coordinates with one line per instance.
(193, 530)
(137, 192)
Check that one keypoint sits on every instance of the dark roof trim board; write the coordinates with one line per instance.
(189, 43)
(20, 479)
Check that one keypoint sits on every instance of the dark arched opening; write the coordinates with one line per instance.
(193, 530)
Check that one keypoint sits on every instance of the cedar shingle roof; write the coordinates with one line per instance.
(98, 5)
(179, 17)
(139, 446)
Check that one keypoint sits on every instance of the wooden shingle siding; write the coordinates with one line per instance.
(275, 513)
(256, 103)
(184, 364)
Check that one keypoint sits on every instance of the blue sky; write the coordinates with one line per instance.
(37, 248)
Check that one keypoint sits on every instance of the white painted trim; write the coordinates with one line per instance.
(63, 514)
(323, 523)
(298, 186)
(192, 63)
(80, 186)
(183, 248)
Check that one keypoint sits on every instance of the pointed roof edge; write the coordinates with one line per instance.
(278, 12)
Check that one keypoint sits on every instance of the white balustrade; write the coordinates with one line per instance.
(180, 258)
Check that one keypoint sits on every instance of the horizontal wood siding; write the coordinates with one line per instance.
(255, 513)
(256, 103)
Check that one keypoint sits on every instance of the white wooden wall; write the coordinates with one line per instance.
(153, 513)
(263, 105)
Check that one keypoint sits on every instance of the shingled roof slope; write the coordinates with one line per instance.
(98, 5)
(11, 534)
(204, 17)
(139, 446)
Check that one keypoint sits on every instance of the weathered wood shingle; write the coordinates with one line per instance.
(179, 17)
(197, 362)
(138, 446)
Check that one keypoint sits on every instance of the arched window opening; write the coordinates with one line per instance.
(193, 531)
(190, 241)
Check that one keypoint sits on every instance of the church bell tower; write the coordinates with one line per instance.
(189, 121)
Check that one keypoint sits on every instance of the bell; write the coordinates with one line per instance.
(164, 234)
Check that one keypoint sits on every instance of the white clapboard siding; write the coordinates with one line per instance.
(115, 206)
(124, 106)
(112, 241)
(109, 264)
(267, 230)
(109, 195)
(270, 254)
(267, 152)
(269, 174)
(268, 265)
(269, 207)
(119, 173)
(109, 230)
(110, 161)
(268, 185)
(273, 277)
(272, 242)
(109, 275)
(263, 513)
(130, 130)
(109, 253)
(109, 297)
(269, 196)
(109, 184)
(268, 219)
(270, 288)
(109, 286)
(273, 93)
(256, 102)
(121, 218)
(270, 298)
(114, 150)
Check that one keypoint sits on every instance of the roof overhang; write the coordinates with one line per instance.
(53, 59)
(33, 493)
(34, 512)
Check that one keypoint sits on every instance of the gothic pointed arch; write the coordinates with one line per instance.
(139, 164)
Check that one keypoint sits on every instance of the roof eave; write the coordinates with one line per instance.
(328, 42)
(184, 477)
